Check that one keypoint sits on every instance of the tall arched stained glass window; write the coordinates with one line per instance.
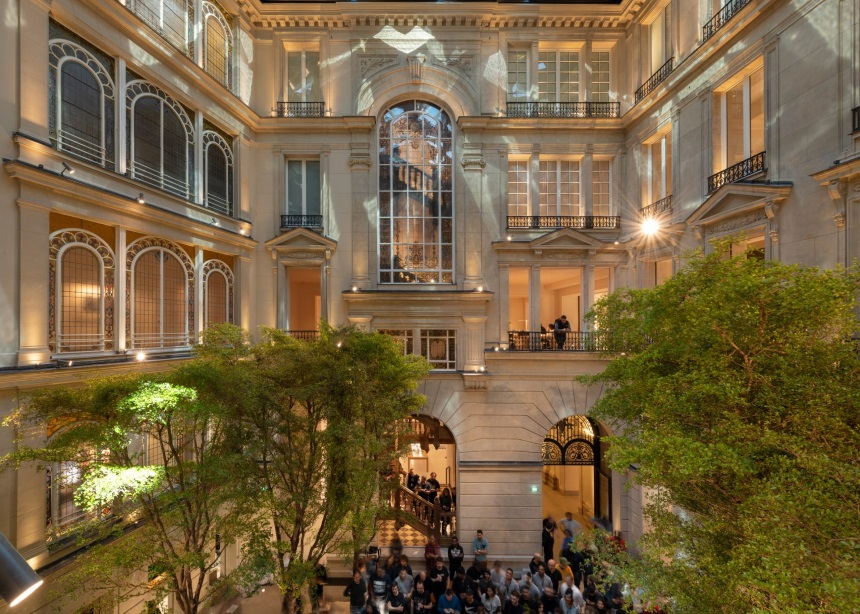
(416, 205)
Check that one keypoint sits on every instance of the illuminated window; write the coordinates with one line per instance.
(660, 164)
(518, 76)
(217, 293)
(416, 210)
(303, 187)
(601, 187)
(217, 44)
(403, 337)
(559, 188)
(558, 76)
(162, 139)
(518, 187)
(439, 348)
(161, 287)
(218, 179)
(82, 97)
(81, 270)
(600, 76)
(741, 110)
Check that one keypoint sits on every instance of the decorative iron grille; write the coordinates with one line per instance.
(570, 442)
(564, 221)
(731, 9)
(736, 172)
(300, 109)
(654, 80)
(664, 205)
(569, 341)
(564, 109)
(301, 221)
(304, 335)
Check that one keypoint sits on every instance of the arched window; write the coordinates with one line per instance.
(217, 44)
(416, 207)
(162, 139)
(170, 18)
(82, 99)
(81, 273)
(218, 180)
(217, 293)
(161, 285)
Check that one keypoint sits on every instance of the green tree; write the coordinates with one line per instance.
(318, 419)
(736, 392)
(153, 463)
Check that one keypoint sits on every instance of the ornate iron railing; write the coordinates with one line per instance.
(731, 8)
(664, 205)
(654, 80)
(570, 341)
(219, 204)
(300, 109)
(301, 221)
(304, 335)
(742, 169)
(156, 177)
(564, 221)
(412, 508)
(82, 148)
(564, 109)
(855, 119)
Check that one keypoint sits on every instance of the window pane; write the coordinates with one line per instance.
(735, 150)
(312, 192)
(147, 137)
(216, 178)
(600, 186)
(518, 185)
(173, 25)
(216, 299)
(175, 154)
(147, 300)
(756, 112)
(311, 75)
(600, 76)
(80, 112)
(80, 296)
(174, 309)
(517, 75)
(295, 187)
(216, 50)
(294, 76)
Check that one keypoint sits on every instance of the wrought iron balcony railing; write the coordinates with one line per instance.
(662, 206)
(731, 8)
(300, 109)
(855, 119)
(219, 204)
(304, 335)
(82, 148)
(654, 80)
(738, 171)
(301, 221)
(564, 109)
(571, 341)
(564, 221)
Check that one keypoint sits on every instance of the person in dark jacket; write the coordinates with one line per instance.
(357, 593)
(561, 328)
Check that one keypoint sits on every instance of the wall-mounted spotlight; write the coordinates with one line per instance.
(17, 578)
(355, 288)
(67, 169)
(215, 222)
(140, 356)
(480, 288)
(140, 198)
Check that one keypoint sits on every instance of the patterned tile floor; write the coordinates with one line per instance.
(408, 536)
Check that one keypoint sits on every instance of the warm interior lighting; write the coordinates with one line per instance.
(650, 226)
(17, 578)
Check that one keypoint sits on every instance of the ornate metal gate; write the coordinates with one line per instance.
(570, 442)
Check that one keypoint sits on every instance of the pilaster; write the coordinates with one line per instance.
(33, 282)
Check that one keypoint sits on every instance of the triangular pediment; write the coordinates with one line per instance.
(738, 199)
(301, 239)
(565, 238)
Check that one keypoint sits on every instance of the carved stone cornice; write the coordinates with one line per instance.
(370, 64)
(473, 162)
(359, 163)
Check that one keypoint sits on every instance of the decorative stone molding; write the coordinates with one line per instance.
(839, 219)
(579, 255)
(742, 221)
(473, 162)
(475, 381)
(460, 64)
(416, 66)
(359, 163)
(306, 256)
(774, 236)
(371, 64)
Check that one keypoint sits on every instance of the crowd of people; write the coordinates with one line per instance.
(575, 584)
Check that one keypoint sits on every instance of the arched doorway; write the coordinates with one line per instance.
(576, 477)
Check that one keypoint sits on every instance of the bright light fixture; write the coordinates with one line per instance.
(17, 578)
(140, 356)
(650, 226)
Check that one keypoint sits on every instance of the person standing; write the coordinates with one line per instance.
(357, 593)
(561, 328)
(480, 548)
(455, 554)
(431, 553)
(548, 539)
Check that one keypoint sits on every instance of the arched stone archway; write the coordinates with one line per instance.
(576, 477)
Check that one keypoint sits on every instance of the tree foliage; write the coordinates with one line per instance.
(319, 421)
(737, 392)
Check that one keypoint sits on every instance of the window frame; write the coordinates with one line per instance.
(211, 138)
(557, 81)
(304, 194)
(512, 96)
(317, 90)
(218, 267)
(526, 163)
(211, 10)
(742, 78)
(557, 163)
(609, 192)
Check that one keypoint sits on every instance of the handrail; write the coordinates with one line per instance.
(731, 8)
(430, 515)
(654, 80)
(564, 110)
(300, 109)
(301, 221)
(744, 168)
(664, 205)
(570, 341)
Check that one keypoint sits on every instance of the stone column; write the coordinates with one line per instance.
(120, 291)
(474, 343)
(363, 232)
(33, 69)
(470, 223)
(197, 188)
(33, 259)
(586, 178)
(587, 294)
(534, 298)
(199, 296)
(502, 297)
(243, 276)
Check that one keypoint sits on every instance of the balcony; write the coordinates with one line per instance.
(301, 221)
(573, 341)
(83, 148)
(564, 110)
(304, 335)
(736, 172)
(659, 208)
(732, 8)
(654, 80)
(300, 109)
(855, 119)
(565, 221)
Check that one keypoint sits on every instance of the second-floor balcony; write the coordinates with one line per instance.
(300, 109)
(571, 341)
(654, 80)
(564, 110)
(729, 10)
(662, 207)
(565, 221)
(304, 335)
(301, 221)
(745, 168)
